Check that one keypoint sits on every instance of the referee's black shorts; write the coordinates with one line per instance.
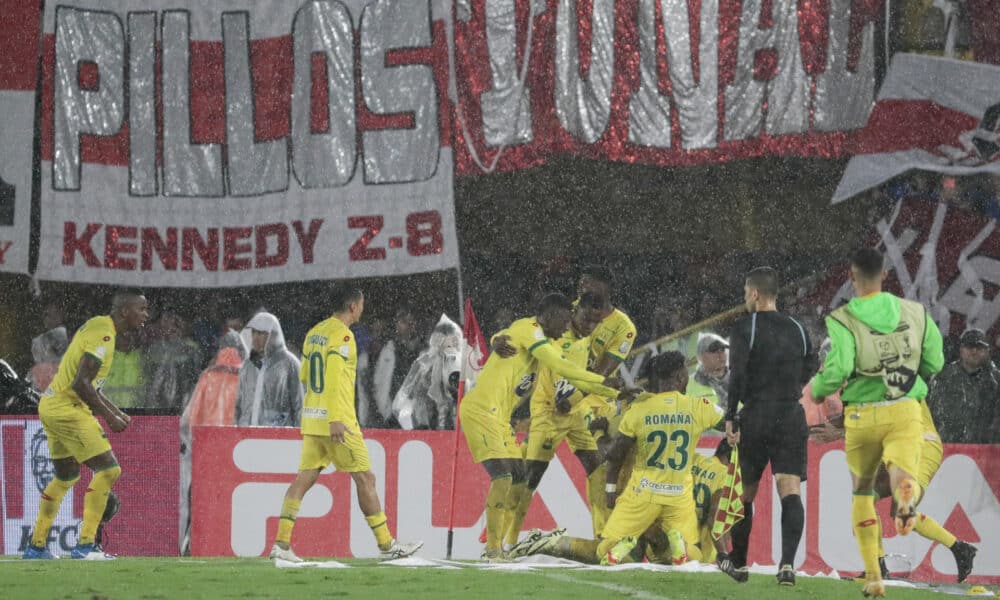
(777, 434)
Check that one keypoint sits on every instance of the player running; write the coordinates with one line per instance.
(330, 430)
(486, 410)
(67, 411)
(886, 349)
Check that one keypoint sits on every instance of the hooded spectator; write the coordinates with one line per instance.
(212, 403)
(270, 393)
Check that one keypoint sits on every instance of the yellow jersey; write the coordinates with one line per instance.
(97, 339)
(709, 476)
(666, 428)
(574, 349)
(496, 384)
(613, 337)
(328, 372)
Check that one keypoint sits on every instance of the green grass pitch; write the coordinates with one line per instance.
(175, 578)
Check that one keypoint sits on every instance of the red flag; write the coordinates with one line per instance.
(474, 353)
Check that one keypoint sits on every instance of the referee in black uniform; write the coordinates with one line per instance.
(770, 360)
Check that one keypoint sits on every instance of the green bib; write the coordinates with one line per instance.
(893, 356)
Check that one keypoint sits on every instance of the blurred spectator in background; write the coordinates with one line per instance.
(208, 330)
(428, 394)
(964, 398)
(48, 348)
(393, 364)
(269, 390)
(711, 378)
(173, 364)
(126, 382)
(823, 419)
(212, 403)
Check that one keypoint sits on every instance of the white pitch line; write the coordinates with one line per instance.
(611, 587)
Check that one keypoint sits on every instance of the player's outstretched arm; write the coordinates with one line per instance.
(83, 385)
(548, 357)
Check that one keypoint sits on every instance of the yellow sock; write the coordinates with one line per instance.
(577, 549)
(878, 525)
(289, 510)
(380, 527)
(48, 507)
(96, 500)
(866, 530)
(599, 511)
(932, 530)
(520, 501)
(496, 511)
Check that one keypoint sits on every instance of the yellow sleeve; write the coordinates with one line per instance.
(99, 342)
(619, 346)
(548, 357)
(627, 425)
(333, 371)
(598, 389)
(709, 412)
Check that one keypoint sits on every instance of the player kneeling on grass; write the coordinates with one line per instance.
(654, 545)
(663, 427)
(330, 430)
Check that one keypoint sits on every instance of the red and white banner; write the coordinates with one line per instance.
(148, 488)
(18, 71)
(944, 257)
(241, 475)
(667, 82)
(242, 142)
(936, 114)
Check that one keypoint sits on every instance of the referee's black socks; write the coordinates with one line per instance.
(740, 534)
(793, 518)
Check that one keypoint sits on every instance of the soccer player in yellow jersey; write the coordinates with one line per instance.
(557, 413)
(611, 343)
(486, 410)
(664, 428)
(67, 411)
(330, 430)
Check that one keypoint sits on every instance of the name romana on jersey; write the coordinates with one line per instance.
(669, 419)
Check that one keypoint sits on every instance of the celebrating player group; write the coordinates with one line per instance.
(652, 495)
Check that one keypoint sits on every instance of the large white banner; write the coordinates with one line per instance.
(936, 114)
(18, 76)
(242, 142)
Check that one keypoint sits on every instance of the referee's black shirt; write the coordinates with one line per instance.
(770, 361)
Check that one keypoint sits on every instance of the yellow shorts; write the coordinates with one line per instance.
(548, 431)
(890, 434)
(931, 455)
(351, 456)
(487, 436)
(634, 514)
(73, 432)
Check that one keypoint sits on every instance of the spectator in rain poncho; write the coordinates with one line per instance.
(269, 392)
(426, 399)
(47, 349)
(212, 403)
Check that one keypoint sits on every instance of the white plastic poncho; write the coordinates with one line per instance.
(269, 395)
(426, 399)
